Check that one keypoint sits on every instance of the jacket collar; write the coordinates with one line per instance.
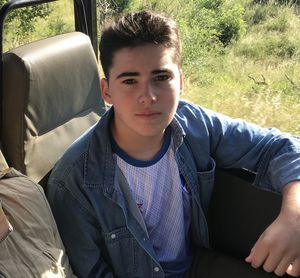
(100, 165)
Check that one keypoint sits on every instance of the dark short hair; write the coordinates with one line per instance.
(136, 29)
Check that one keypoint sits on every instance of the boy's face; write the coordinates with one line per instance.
(144, 87)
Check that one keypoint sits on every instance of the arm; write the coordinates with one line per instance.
(275, 157)
(278, 248)
(234, 143)
(79, 231)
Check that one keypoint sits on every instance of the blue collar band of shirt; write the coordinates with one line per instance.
(142, 163)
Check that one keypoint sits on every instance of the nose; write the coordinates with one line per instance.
(148, 95)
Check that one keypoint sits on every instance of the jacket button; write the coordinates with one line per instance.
(156, 269)
(113, 236)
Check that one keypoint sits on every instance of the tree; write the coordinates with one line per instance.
(20, 22)
(110, 8)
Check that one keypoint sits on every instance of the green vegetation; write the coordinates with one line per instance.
(36, 22)
(22, 22)
(240, 57)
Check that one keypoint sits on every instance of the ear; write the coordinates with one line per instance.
(105, 91)
(181, 82)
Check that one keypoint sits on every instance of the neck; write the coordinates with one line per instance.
(139, 147)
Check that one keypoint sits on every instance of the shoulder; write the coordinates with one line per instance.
(65, 186)
(69, 169)
(73, 156)
(82, 150)
(189, 114)
(187, 109)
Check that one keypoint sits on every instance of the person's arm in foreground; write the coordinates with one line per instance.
(278, 248)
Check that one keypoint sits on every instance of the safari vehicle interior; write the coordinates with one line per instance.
(50, 95)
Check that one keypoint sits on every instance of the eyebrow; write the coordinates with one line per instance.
(135, 73)
(158, 71)
(127, 74)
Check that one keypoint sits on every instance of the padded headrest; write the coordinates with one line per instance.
(51, 96)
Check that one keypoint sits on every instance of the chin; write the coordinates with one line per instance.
(152, 130)
(151, 133)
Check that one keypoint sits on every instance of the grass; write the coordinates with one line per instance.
(264, 93)
(258, 77)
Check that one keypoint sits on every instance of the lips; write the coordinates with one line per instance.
(148, 114)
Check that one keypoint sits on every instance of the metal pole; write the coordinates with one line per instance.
(86, 20)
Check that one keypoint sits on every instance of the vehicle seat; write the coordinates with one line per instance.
(51, 95)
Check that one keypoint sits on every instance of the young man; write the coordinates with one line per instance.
(131, 195)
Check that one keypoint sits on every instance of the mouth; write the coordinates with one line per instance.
(148, 114)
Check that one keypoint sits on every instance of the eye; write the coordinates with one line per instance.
(129, 81)
(162, 77)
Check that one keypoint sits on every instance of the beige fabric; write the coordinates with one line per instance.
(5, 226)
(51, 96)
(3, 164)
(30, 244)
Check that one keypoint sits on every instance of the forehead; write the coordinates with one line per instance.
(148, 56)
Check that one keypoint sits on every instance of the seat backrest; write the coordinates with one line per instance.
(239, 212)
(51, 95)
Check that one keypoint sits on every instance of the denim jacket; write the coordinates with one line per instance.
(101, 227)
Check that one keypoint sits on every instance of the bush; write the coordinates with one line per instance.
(108, 9)
(58, 26)
(281, 46)
(278, 24)
(21, 22)
(231, 25)
(257, 15)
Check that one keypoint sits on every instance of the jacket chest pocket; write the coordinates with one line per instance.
(121, 247)
(206, 181)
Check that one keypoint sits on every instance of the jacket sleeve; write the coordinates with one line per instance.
(78, 227)
(234, 143)
(272, 154)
